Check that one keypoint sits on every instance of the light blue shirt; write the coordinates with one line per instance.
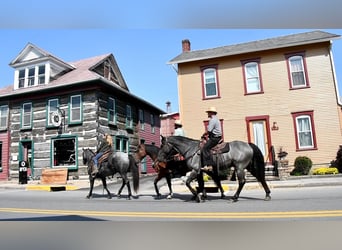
(214, 126)
(179, 132)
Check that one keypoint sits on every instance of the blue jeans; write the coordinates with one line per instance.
(96, 158)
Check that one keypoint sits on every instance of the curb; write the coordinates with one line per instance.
(51, 188)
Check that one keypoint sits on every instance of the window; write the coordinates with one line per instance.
(153, 124)
(52, 107)
(75, 109)
(26, 116)
(3, 117)
(297, 70)
(64, 153)
(111, 111)
(252, 77)
(21, 79)
(141, 119)
(129, 120)
(304, 129)
(1, 157)
(121, 144)
(210, 82)
(31, 78)
(41, 74)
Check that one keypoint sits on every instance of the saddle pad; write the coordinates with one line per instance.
(221, 148)
(104, 157)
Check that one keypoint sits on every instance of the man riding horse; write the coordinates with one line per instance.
(214, 133)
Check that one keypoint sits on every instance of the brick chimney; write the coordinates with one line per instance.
(186, 45)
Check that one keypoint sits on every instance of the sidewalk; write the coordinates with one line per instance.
(178, 184)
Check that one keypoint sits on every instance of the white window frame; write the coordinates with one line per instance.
(129, 120)
(4, 117)
(295, 70)
(141, 119)
(112, 116)
(26, 116)
(153, 124)
(306, 132)
(50, 109)
(252, 76)
(209, 76)
(75, 109)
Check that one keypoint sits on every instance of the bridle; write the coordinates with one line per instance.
(170, 155)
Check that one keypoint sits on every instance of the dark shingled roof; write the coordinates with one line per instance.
(260, 45)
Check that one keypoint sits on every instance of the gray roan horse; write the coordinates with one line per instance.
(241, 156)
(117, 162)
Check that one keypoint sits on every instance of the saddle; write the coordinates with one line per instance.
(104, 157)
(222, 147)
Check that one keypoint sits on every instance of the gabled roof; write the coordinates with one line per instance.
(260, 45)
(31, 54)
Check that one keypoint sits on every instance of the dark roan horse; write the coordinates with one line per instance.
(238, 154)
(176, 166)
(173, 167)
(117, 162)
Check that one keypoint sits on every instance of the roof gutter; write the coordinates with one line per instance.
(338, 98)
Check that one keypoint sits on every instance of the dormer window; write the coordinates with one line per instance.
(31, 76)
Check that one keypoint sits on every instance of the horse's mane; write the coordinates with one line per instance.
(152, 148)
(182, 139)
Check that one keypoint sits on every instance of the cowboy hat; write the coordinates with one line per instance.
(211, 109)
(178, 122)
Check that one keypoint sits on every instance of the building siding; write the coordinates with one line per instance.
(277, 101)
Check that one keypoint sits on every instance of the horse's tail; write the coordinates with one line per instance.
(135, 172)
(257, 166)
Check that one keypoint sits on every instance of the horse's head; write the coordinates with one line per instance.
(141, 151)
(166, 152)
(87, 155)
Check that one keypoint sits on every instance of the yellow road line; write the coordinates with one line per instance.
(185, 215)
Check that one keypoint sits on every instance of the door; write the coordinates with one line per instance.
(258, 133)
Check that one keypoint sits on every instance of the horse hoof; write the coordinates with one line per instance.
(109, 197)
(88, 197)
(169, 197)
(267, 198)
(223, 196)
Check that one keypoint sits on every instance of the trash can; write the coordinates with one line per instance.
(23, 165)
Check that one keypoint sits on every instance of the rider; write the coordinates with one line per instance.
(214, 132)
(105, 145)
(179, 131)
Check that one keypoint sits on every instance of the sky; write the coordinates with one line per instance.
(144, 35)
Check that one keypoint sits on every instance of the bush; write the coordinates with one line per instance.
(337, 163)
(302, 165)
(323, 171)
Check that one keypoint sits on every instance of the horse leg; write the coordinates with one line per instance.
(122, 186)
(216, 179)
(168, 180)
(129, 189)
(200, 192)
(91, 181)
(156, 180)
(267, 190)
(242, 181)
(104, 183)
(191, 177)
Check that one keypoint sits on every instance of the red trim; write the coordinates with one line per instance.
(302, 54)
(202, 68)
(309, 113)
(257, 61)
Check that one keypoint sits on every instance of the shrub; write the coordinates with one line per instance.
(302, 165)
(337, 163)
(323, 171)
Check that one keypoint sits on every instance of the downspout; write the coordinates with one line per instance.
(334, 75)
